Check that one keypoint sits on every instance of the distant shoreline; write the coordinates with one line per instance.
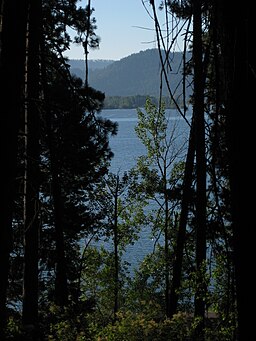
(137, 101)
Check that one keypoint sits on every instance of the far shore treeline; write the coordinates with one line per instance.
(134, 102)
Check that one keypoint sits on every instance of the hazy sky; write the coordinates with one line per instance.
(124, 28)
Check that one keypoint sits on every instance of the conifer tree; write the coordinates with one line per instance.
(12, 61)
(31, 169)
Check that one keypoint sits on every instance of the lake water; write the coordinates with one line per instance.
(126, 147)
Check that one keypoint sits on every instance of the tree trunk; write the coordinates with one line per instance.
(31, 179)
(166, 242)
(200, 170)
(186, 197)
(61, 286)
(13, 36)
(116, 256)
(238, 27)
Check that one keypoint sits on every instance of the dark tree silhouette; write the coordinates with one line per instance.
(227, 35)
(181, 235)
(198, 108)
(31, 171)
(12, 63)
(85, 152)
(236, 32)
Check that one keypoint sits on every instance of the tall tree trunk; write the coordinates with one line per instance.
(186, 197)
(238, 25)
(61, 286)
(31, 179)
(116, 256)
(12, 61)
(200, 170)
(86, 44)
(166, 242)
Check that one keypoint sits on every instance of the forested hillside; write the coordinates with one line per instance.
(137, 74)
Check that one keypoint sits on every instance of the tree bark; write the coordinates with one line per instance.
(200, 169)
(61, 286)
(238, 27)
(31, 179)
(13, 36)
(180, 242)
(116, 256)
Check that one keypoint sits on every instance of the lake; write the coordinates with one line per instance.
(126, 147)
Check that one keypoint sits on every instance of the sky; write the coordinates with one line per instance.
(124, 28)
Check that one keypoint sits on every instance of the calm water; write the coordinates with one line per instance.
(126, 147)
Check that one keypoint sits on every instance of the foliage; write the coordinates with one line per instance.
(141, 326)
(74, 156)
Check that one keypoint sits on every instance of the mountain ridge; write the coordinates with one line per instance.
(136, 74)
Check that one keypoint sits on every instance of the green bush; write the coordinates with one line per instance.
(140, 327)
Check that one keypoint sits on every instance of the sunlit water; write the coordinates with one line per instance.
(126, 147)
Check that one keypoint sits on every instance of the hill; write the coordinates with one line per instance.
(137, 74)
(77, 66)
